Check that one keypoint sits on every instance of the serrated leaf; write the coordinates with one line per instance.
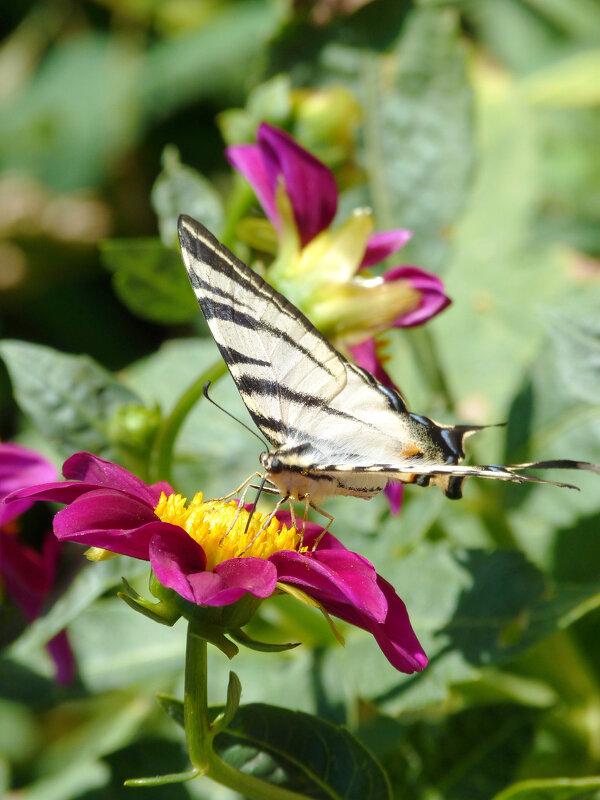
(553, 789)
(150, 279)
(71, 399)
(180, 189)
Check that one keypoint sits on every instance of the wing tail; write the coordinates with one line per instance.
(507, 473)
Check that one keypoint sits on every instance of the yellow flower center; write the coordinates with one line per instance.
(208, 523)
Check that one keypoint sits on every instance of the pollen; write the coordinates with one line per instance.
(220, 528)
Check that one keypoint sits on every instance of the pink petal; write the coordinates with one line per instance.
(384, 244)
(248, 159)
(365, 355)
(63, 657)
(394, 492)
(20, 467)
(340, 576)
(394, 636)
(25, 574)
(173, 557)
(239, 576)
(89, 468)
(111, 520)
(431, 288)
(57, 492)
(310, 185)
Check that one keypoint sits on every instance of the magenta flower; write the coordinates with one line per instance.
(28, 574)
(204, 553)
(319, 268)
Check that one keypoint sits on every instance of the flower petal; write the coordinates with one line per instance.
(20, 467)
(248, 159)
(431, 289)
(88, 468)
(63, 657)
(333, 575)
(365, 355)
(384, 244)
(111, 520)
(255, 576)
(394, 492)
(174, 555)
(28, 576)
(394, 636)
(309, 184)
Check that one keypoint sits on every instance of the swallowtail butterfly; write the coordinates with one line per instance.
(332, 427)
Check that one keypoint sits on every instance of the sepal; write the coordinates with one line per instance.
(165, 611)
(263, 647)
(234, 694)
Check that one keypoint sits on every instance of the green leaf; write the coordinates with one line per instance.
(150, 279)
(418, 133)
(553, 789)
(297, 752)
(71, 399)
(180, 189)
(301, 752)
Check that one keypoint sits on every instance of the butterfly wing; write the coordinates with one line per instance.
(283, 367)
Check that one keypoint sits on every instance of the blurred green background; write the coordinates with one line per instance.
(476, 124)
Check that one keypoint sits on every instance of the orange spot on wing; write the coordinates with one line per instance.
(410, 450)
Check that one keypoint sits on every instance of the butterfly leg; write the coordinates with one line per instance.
(292, 512)
(240, 487)
(328, 516)
(264, 526)
(239, 508)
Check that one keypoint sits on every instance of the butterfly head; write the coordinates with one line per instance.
(271, 462)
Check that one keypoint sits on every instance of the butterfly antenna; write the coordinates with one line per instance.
(255, 503)
(224, 410)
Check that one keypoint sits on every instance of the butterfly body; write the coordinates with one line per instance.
(333, 429)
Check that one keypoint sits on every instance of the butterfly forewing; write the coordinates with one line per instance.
(282, 365)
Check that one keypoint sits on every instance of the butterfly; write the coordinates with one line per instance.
(332, 428)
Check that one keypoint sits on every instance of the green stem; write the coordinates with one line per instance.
(247, 785)
(195, 704)
(162, 455)
(199, 733)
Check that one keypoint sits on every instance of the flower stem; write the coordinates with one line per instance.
(195, 705)
(162, 455)
(199, 733)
